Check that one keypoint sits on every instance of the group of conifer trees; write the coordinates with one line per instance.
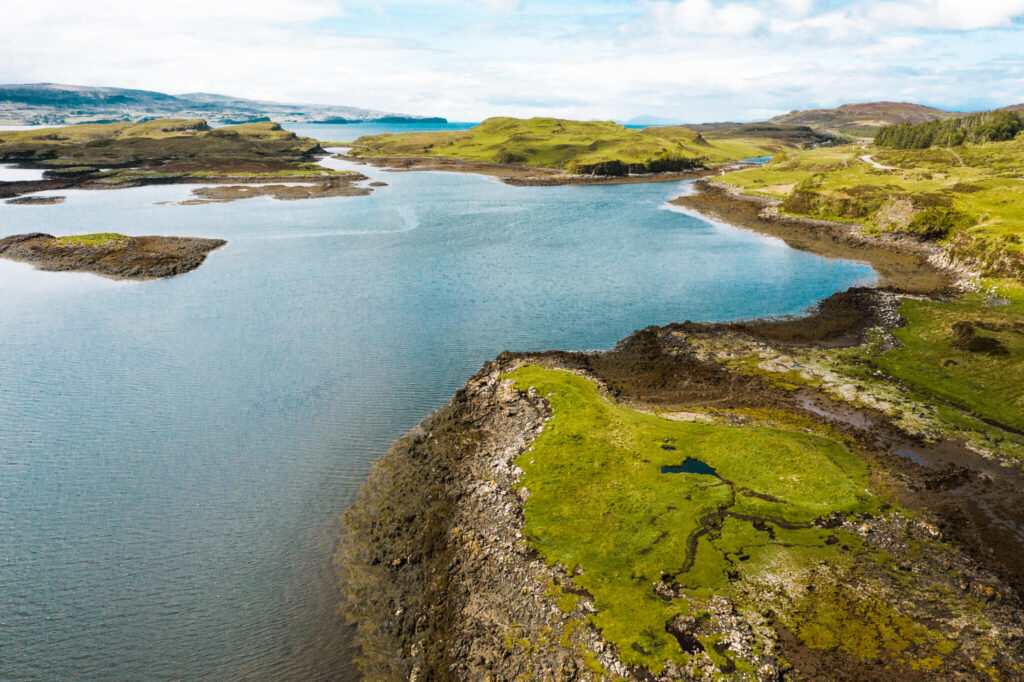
(989, 126)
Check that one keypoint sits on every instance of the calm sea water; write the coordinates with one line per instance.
(348, 132)
(174, 454)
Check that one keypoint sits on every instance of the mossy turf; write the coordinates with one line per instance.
(969, 351)
(598, 501)
(557, 143)
(107, 239)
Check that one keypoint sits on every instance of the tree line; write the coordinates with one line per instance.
(988, 126)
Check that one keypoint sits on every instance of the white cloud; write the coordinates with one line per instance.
(503, 5)
(705, 17)
(691, 59)
(945, 15)
(852, 20)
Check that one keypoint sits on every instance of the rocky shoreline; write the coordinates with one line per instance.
(441, 584)
(226, 187)
(133, 258)
(528, 176)
(908, 264)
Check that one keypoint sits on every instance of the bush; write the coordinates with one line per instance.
(938, 222)
(505, 156)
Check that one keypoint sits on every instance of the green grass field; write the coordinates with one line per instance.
(970, 198)
(598, 501)
(158, 140)
(989, 383)
(556, 143)
(96, 239)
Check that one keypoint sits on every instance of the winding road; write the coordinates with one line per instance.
(867, 158)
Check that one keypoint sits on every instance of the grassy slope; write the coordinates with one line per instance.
(862, 120)
(556, 143)
(599, 502)
(991, 386)
(983, 181)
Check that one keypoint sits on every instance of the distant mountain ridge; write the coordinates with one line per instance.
(52, 103)
(863, 119)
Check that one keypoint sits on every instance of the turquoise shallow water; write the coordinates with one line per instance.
(347, 132)
(174, 454)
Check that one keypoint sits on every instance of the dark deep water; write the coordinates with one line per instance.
(690, 466)
(174, 454)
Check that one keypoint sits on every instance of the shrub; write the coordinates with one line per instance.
(937, 222)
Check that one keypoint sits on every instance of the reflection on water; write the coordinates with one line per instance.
(175, 454)
(9, 173)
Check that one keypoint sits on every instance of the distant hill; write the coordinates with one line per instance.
(1014, 107)
(863, 120)
(582, 147)
(785, 133)
(50, 103)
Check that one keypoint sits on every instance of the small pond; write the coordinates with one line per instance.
(690, 466)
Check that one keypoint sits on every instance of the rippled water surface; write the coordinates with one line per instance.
(174, 454)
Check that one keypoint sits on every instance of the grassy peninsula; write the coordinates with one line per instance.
(785, 501)
(689, 535)
(584, 147)
(161, 151)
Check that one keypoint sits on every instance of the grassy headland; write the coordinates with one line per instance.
(781, 526)
(599, 501)
(586, 147)
(968, 199)
(161, 140)
(114, 155)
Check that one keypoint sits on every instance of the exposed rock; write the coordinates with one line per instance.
(36, 201)
(138, 258)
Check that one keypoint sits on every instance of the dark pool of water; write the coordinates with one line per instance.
(690, 466)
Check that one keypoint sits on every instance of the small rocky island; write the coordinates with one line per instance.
(116, 256)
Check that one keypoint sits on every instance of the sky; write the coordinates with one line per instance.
(679, 60)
